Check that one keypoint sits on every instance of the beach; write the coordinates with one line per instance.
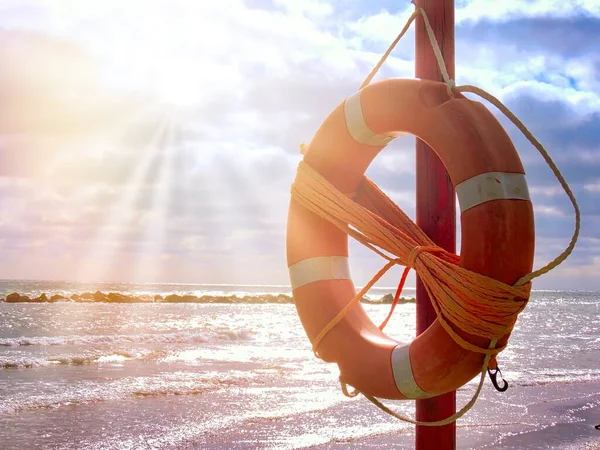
(102, 375)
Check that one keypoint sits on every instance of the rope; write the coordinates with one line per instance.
(474, 303)
(396, 297)
(452, 87)
(555, 170)
(437, 423)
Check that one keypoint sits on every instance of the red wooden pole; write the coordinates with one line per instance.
(435, 208)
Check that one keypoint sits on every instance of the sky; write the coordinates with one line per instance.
(156, 141)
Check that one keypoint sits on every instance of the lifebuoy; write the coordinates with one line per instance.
(496, 220)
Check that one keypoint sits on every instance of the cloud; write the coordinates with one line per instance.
(478, 10)
(161, 147)
(592, 187)
(555, 36)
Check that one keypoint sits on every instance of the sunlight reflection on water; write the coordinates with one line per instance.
(244, 376)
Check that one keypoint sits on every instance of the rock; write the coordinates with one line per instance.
(15, 297)
(41, 299)
(387, 298)
(58, 298)
(175, 298)
(286, 298)
(99, 297)
(83, 298)
(115, 297)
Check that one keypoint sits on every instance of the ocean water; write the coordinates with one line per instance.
(242, 376)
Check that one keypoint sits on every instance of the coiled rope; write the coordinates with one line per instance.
(475, 303)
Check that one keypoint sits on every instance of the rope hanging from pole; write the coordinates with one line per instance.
(451, 287)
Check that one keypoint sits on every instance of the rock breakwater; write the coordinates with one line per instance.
(117, 297)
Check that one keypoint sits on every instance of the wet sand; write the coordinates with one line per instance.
(571, 413)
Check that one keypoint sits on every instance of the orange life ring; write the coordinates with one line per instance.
(496, 220)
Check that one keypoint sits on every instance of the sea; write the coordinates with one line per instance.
(243, 376)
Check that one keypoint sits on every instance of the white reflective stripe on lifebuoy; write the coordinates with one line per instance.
(491, 186)
(319, 268)
(357, 126)
(403, 375)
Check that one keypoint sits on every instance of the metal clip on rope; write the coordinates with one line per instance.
(493, 373)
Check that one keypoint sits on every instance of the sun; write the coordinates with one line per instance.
(177, 87)
(179, 53)
(162, 51)
(166, 76)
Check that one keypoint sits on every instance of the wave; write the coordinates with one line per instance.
(544, 378)
(115, 297)
(165, 338)
(76, 360)
(129, 387)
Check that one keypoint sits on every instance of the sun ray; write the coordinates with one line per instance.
(108, 241)
(149, 261)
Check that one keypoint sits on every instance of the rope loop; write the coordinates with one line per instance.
(345, 391)
(452, 88)
(462, 299)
